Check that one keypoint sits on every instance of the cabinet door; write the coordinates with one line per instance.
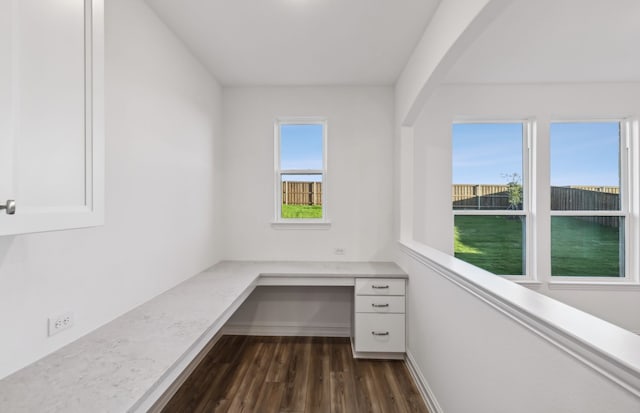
(51, 122)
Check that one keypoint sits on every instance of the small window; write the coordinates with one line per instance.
(488, 196)
(587, 213)
(301, 170)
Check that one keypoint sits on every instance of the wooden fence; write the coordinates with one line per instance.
(583, 199)
(480, 196)
(301, 193)
(563, 198)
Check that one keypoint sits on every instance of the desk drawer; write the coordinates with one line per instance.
(379, 333)
(379, 286)
(379, 304)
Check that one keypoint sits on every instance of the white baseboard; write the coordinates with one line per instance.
(289, 329)
(421, 383)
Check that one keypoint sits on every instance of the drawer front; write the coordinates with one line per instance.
(379, 286)
(379, 304)
(379, 332)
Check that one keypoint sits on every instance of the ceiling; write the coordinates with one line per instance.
(547, 41)
(299, 42)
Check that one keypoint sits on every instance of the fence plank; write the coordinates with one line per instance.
(301, 193)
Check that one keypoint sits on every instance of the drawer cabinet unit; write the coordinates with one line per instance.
(379, 322)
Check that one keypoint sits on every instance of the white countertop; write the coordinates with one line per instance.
(114, 367)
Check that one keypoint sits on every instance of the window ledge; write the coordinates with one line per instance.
(528, 283)
(294, 224)
(593, 285)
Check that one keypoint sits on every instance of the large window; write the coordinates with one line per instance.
(300, 170)
(490, 172)
(588, 215)
(583, 221)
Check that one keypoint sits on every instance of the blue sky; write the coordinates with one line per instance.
(301, 148)
(581, 153)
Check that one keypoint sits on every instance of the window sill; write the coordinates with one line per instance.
(593, 285)
(528, 283)
(295, 224)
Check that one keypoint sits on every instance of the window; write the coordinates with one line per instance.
(588, 190)
(301, 170)
(490, 172)
(588, 199)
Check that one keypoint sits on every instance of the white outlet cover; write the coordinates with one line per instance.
(60, 323)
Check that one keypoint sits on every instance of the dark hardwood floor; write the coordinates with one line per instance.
(294, 374)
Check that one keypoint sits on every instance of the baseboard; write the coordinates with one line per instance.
(288, 329)
(422, 384)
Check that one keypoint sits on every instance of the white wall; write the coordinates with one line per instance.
(163, 215)
(295, 311)
(474, 355)
(433, 222)
(359, 189)
(454, 25)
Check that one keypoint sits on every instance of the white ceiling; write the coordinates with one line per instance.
(299, 42)
(556, 41)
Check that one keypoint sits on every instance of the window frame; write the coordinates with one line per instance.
(301, 223)
(528, 204)
(628, 169)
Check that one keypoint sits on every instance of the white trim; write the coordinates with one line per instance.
(583, 213)
(605, 348)
(291, 329)
(301, 224)
(527, 283)
(582, 284)
(424, 389)
(406, 177)
(301, 172)
(528, 143)
(311, 120)
(626, 150)
(496, 212)
(288, 281)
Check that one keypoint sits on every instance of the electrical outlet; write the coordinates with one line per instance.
(60, 322)
(339, 251)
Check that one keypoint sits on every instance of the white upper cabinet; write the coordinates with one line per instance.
(51, 114)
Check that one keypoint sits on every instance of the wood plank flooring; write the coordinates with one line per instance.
(294, 374)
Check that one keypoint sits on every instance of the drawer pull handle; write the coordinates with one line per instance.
(374, 305)
(380, 287)
(380, 333)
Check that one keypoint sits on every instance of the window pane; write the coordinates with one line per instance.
(302, 196)
(495, 243)
(301, 146)
(585, 166)
(487, 166)
(587, 246)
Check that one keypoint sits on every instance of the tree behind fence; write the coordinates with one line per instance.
(301, 193)
(574, 198)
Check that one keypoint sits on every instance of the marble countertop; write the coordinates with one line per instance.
(117, 365)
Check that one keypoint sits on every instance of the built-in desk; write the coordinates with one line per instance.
(129, 363)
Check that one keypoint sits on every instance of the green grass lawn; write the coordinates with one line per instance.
(302, 211)
(490, 242)
(582, 248)
(579, 247)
